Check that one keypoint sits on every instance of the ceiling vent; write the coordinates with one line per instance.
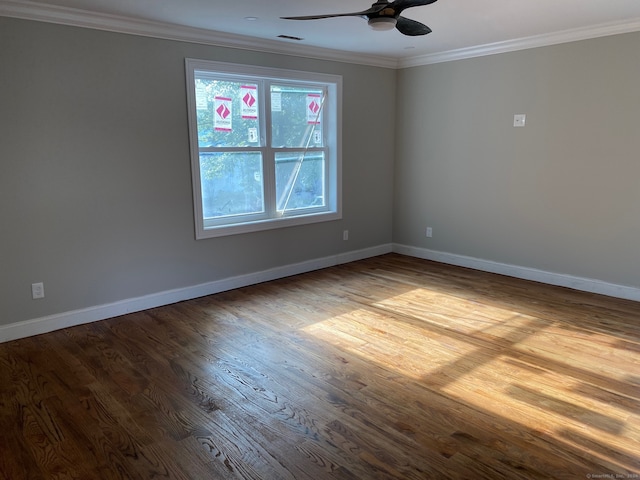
(289, 37)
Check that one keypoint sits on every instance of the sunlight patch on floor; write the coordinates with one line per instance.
(504, 362)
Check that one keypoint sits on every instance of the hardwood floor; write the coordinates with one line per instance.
(387, 368)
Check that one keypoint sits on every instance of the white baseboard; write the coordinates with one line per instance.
(50, 323)
(559, 279)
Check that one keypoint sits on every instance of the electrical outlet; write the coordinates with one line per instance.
(429, 232)
(345, 235)
(37, 290)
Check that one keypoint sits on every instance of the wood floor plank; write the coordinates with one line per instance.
(385, 368)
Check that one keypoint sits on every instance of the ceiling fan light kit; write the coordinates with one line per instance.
(384, 15)
(382, 23)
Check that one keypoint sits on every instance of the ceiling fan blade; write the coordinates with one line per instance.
(400, 5)
(412, 28)
(364, 13)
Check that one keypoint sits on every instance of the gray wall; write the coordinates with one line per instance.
(562, 194)
(95, 188)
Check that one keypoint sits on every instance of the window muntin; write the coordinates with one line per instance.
(265, 147)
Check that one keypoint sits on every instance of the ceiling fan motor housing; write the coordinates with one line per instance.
(382, 23)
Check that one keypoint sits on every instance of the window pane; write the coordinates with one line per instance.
(296, 116)
(265, 147)
(227, 113)
(231, 184)
(300, 180)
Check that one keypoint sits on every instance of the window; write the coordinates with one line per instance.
(265, 147)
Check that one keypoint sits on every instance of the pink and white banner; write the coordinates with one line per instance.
(314, 104)
(222, 114)
(249, 101)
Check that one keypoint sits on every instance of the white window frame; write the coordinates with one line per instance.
(333, 140)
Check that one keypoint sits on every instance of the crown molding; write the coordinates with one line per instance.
(40, 12)
(566, 36)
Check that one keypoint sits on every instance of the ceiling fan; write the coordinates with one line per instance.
(384, 15)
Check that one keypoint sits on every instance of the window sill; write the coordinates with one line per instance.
(261, 225)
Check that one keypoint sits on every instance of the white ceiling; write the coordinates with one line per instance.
(458, 25)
